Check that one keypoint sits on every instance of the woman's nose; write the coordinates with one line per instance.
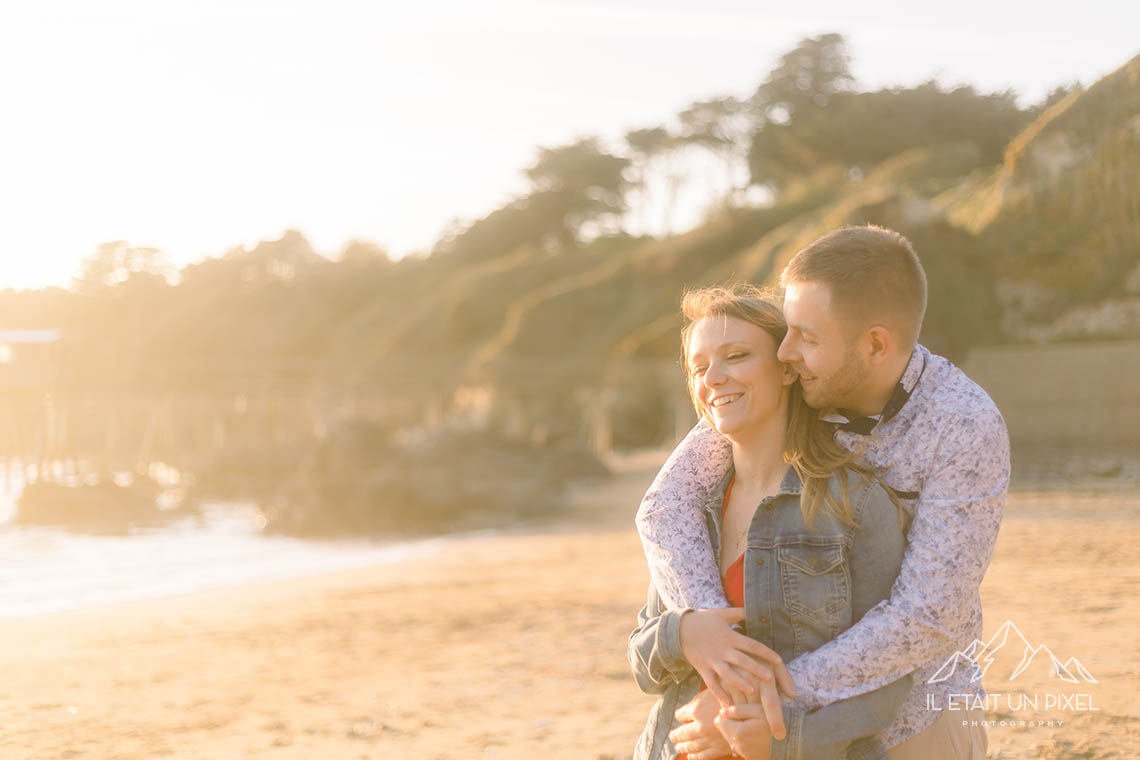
(715, 374)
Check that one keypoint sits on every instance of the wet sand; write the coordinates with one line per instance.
(510, 645)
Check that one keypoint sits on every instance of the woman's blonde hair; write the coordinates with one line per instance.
(810, 447)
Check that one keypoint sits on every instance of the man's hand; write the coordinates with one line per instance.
(697, 736)
(745, 727)
(766, 707)
(724, 658)
(749, 728)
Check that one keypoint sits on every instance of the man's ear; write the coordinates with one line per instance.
(880, 341)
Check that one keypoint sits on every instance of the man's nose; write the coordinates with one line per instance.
(788, 352)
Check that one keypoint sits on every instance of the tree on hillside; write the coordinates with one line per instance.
(806, 77)
(585, 181)
(808, 115)
(864, 128)
(1056, 95)
(572, 187)
(722, 129)
(281, 259)
(655, 181)
(804, 82)
(363, 254)
(115, 262)
(710, 143)
(524, 221)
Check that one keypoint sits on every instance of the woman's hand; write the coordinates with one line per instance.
(727, 661)
(697, 736)
(745, 727)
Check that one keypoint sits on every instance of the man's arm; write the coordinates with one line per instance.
(951, 541)
(671, 523)
(835, 730)
(847, 728)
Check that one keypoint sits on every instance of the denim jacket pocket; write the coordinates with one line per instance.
(814, 581)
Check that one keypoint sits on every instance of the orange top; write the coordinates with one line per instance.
(733, 576)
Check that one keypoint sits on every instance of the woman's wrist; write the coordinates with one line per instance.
(671, 641)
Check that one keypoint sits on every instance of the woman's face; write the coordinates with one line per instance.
(735, 375)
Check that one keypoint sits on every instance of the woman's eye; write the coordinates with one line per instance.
(697, 370)
(738, 355)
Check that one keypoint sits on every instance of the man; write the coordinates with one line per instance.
(854, 303)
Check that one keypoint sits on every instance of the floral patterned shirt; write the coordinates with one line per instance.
(945, 452)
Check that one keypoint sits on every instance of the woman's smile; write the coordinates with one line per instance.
(725, 399)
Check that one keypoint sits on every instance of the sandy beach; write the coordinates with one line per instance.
(512, 645)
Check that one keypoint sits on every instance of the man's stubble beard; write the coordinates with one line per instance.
(835, 390)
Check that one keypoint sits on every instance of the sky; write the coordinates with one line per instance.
(197, 126)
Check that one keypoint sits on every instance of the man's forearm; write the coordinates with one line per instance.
(862, 659)
(826, 733)
(934, 604)
(672, 526)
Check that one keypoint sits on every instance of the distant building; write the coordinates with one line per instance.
(25, 357)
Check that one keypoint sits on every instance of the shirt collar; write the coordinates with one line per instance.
(791, 485)
(914, 368)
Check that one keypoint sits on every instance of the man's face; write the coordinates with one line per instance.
(833, 373)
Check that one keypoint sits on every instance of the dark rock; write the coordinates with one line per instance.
(103, 508)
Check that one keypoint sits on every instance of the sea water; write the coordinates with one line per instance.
(48, 569)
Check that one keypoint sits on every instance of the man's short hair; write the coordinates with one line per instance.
(874, 277)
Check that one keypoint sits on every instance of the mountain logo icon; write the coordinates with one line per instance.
(1011, 646)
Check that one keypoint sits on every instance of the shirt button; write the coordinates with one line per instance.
(769, 506)
(759, 561)
(763, 620)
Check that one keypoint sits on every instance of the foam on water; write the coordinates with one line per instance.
(49, 570)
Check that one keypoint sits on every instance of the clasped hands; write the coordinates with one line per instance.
(740, 712)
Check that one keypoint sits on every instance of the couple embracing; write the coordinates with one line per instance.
(817, 542)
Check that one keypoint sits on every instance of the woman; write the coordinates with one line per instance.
(806, 545)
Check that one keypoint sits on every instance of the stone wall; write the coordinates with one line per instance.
(1064, 395)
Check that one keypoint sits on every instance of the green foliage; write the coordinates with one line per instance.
(719, 124)
(1079, 239)
(865, 128)
(571, 186)
(648, 142)
(1063, 213)
(116, 262)
(1087, 117)
(805, 79)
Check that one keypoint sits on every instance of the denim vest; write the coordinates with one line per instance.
(802, 588)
